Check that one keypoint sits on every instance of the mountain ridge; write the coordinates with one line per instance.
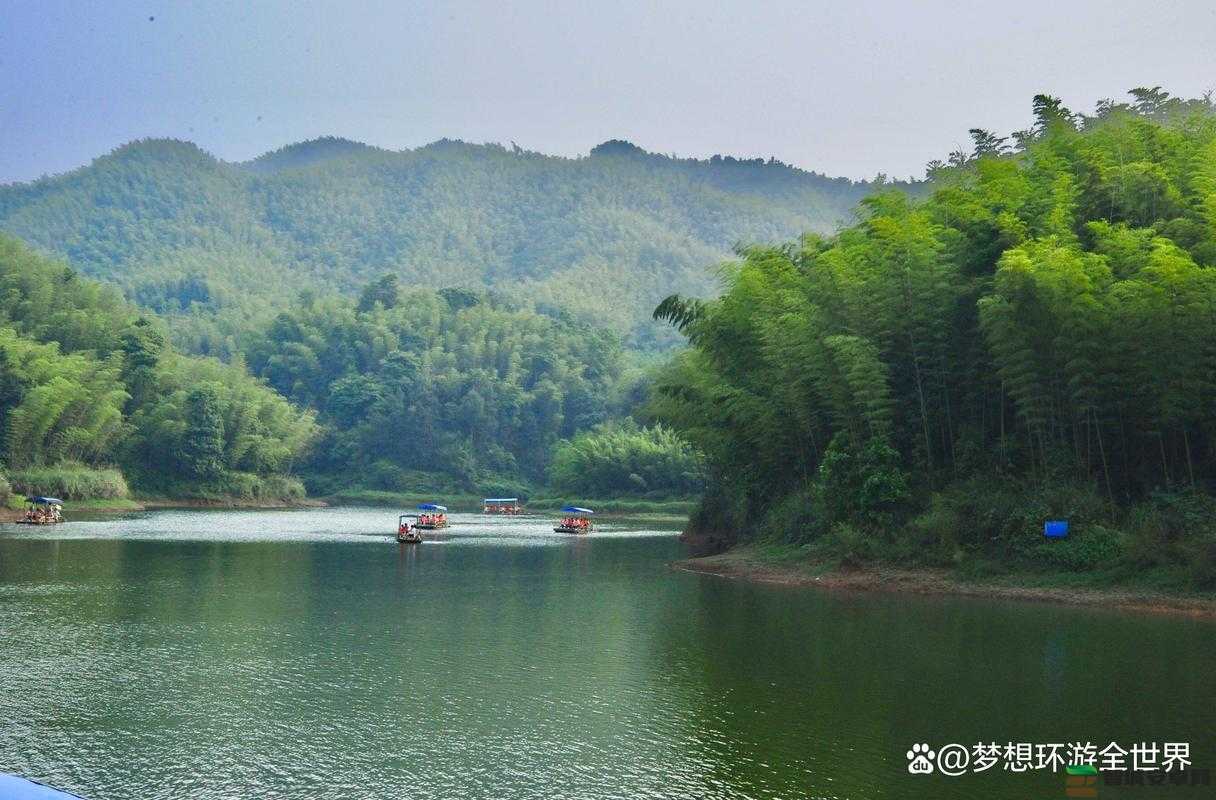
(605, 235)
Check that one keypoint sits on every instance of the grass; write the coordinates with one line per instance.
(112, 504)
(70, 480)
(405, 500)
(233, 488)
(619, 505)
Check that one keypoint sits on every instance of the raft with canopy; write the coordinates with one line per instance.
(433, 517)
(577, 520)
(501, 505)
(407, 533)
(43, 511)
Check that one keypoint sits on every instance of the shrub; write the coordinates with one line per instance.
(937, 531)
(1165, 527)
(851, 544)
(71, 480)
(863, 485)
(721, 514)
(387, 476)
(623, 459)
(793, 519)
(1092, 547)
(1201, 560)
(1003, 518)
(248, 486)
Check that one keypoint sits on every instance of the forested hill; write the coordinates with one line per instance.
(1033, 342)
(602, 237)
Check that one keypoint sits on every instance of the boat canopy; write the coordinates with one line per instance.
(46, 501)
(576, 510)
(498, 501)
(431, 507)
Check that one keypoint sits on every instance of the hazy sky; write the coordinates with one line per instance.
(847, 88)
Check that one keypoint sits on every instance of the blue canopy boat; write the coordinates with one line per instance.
(577, 520)
(433, 517)
(43, 511)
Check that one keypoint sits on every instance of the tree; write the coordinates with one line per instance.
(988, 144)
(383, 292)
(202, 447)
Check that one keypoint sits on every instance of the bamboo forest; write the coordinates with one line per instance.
(1033, 340)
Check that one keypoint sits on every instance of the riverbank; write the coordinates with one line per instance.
(120, 505)
(620, 506)
(788, 567)
(228, 502)
(16, 507)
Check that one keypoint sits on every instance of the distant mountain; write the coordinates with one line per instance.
(213, 244)
(306, 154)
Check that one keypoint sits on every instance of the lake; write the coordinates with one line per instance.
(303, 654)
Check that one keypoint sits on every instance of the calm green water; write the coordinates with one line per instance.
(304, 655)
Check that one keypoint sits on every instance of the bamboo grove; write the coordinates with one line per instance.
(1047, 317)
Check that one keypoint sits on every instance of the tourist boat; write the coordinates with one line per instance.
(501, 505)
(434, 517)
(43, 511)
(407, 534)
(577, 520)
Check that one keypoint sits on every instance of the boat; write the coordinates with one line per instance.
(577, 520)
(434, 517)
(43, 511)
(406, 533)
(501, 505)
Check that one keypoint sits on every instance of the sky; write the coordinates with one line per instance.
(845, 88)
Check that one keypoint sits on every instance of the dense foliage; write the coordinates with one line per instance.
(422, 389)
(622, 459)
(86, 381)
(1046, 319)
(218, 246)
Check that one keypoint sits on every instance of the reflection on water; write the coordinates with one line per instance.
(305, 654)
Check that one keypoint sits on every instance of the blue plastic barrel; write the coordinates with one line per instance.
(1055, 528)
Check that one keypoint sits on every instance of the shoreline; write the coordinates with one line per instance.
(744, 564)
(125, 505)
(151, 503)
(674, 508)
